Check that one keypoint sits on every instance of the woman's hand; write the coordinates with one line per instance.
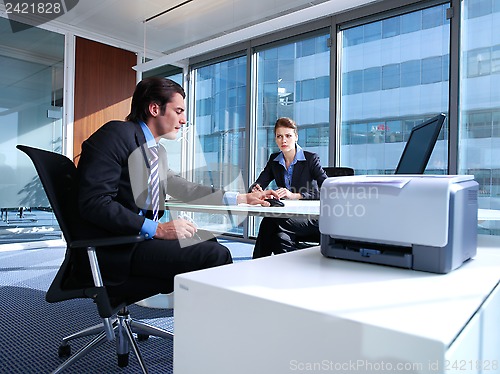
(257, 197)
(284, 193)
(257, 188)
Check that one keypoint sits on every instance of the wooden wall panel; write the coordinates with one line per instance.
(104, 83)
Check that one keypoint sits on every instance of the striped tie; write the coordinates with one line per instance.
(155, 182)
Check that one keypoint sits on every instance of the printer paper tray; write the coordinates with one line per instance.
(366, 252)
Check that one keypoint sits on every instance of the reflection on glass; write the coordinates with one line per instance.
(31, 112)
(219, 123)
(293, 80)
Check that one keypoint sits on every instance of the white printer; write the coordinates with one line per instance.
(420, 222)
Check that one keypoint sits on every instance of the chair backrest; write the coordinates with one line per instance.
(338, 171)
(58, 176)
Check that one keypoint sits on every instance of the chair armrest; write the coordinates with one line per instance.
(106, 242)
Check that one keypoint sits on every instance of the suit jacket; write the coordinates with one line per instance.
(307, 178)
(113, 176)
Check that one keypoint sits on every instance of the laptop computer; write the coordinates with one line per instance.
(420, 145)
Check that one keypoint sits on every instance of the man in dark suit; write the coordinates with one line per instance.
(298, 175)
(115, 193)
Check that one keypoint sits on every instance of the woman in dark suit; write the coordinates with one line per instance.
(298, 175)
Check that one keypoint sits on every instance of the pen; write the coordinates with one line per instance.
(183, 215)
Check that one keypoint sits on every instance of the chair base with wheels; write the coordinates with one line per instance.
(123, 329)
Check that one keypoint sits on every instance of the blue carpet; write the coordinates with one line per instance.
(32, 328)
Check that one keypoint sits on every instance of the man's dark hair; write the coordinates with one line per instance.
(152, 90)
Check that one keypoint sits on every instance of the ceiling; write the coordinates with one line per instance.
(178, 29)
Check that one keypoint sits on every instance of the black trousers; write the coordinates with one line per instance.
(280, 235)
(164, 259)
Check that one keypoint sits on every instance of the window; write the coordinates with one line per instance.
(298, 88)
(432, 70)
(393, 74)
(479, 8)
(307, 90)
(373, 31)
(479, 130)
(410, 73)
(495, 59)
(411, 22)
(379, 112)
(372, 79)
(353, 36)
(390, 76)
(479, 125)
(433, 17)
(390, 27)
(478, 62)
(220, 110)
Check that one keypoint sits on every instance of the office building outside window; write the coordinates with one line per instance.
(394, 75)
(220, 131)
(293, 80)
(479, 132)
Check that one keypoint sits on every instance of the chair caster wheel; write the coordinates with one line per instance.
(142, 337)
(64, 350)
(123, 360)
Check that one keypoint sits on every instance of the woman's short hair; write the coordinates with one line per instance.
(286, 122)
(152, 90)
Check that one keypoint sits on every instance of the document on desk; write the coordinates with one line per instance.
(365, 180)
(303, 208)
(396, 181)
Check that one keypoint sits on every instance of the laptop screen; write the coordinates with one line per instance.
(419, 147)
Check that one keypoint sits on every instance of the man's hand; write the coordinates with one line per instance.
(257, 197)
(175, 229)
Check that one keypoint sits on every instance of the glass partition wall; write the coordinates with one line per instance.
(31, 108)
(357, 87)
(219, 134)
(292, 80)
(356, 83)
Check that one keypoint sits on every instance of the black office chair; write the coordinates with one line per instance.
(333, 171)
(338, 171)
(79, 275)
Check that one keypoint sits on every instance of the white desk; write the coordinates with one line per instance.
(488, 215)
(292, 208)
(300, 312)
